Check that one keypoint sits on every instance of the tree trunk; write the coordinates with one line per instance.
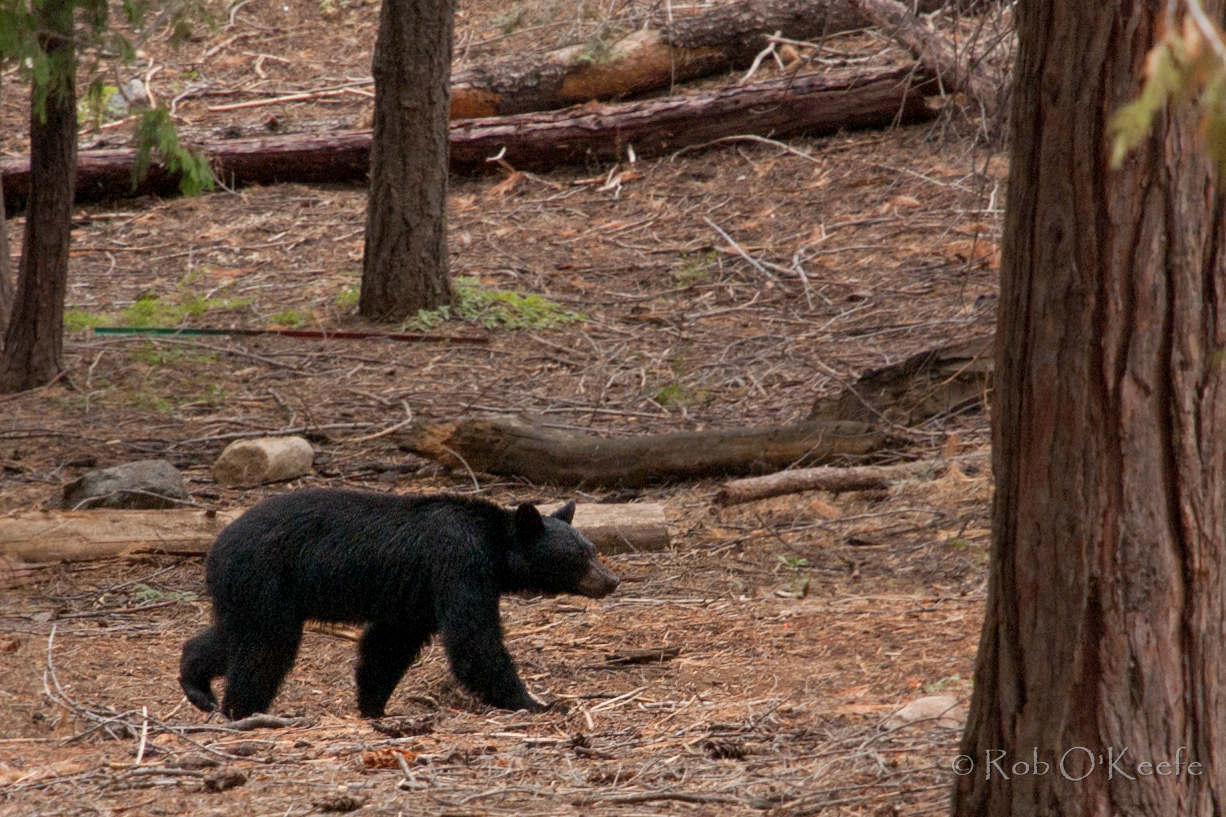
(404, 268)
(35, 335)
(688, 46)
(1104, 626)
(807, 104)
(6, 279)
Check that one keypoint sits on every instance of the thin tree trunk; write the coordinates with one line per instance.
(6, 287)
(35, 335)
(6, 280)
(1103, 634)
(405, 264)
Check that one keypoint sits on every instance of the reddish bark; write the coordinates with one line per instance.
(1107, 589)
(808, 104)
(34, 338)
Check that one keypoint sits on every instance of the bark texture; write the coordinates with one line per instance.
(685, 47)
(1106, 604)
(6, 278)
(553, 456)
(813, 104)
(35, 334)
(405, 265)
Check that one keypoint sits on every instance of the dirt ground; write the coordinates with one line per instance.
(799, 623)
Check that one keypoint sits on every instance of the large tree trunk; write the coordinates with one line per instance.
(1104, 625)
(404, 268)
(35, 335)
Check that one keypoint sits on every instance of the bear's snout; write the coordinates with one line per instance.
(599, 581)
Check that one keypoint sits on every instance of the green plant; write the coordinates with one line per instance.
(494, 309)
(793, 562)
(697, 269)
(289, 318)
(676, 393)
(153, 311)
(77, 320)
(92, 107)
(347, 297)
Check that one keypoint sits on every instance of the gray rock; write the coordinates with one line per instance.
(144, 484)
(131, 95)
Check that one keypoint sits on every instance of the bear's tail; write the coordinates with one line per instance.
(204, 658)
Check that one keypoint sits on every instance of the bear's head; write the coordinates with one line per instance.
(551, 556)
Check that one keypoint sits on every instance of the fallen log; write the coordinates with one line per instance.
(686, 47)
(936, 381)
(836, 480)
(811, 104)
(515, 447)
(70, 536)
(958, 69)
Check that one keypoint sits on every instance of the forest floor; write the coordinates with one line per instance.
(801, 622)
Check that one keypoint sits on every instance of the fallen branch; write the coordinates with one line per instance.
(837, 480)
(512, 447)
(958, 71)
(809, 104)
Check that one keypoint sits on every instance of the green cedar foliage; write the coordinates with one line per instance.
(1186, 67)
(107, 34)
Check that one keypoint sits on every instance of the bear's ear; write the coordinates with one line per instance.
(529, 526)
(566, 513)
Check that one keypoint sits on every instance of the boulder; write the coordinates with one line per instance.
(147, 484)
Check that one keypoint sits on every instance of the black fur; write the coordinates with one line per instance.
(407, 566)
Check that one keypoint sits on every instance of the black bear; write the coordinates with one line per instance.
(407, 566)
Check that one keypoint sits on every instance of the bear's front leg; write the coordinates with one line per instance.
(384, 653)
(472, 636)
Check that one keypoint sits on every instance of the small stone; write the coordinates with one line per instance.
(269, 459)
(147, 484)
(946, 709)
(132, 95)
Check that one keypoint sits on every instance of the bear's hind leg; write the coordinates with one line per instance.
(258, 663)
(384, 654)
(203, 659)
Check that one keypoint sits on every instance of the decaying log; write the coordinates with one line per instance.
(813, 104)
(688, 46)
(933, 382)
(514, 447)
(958, 69)
(67, 536)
